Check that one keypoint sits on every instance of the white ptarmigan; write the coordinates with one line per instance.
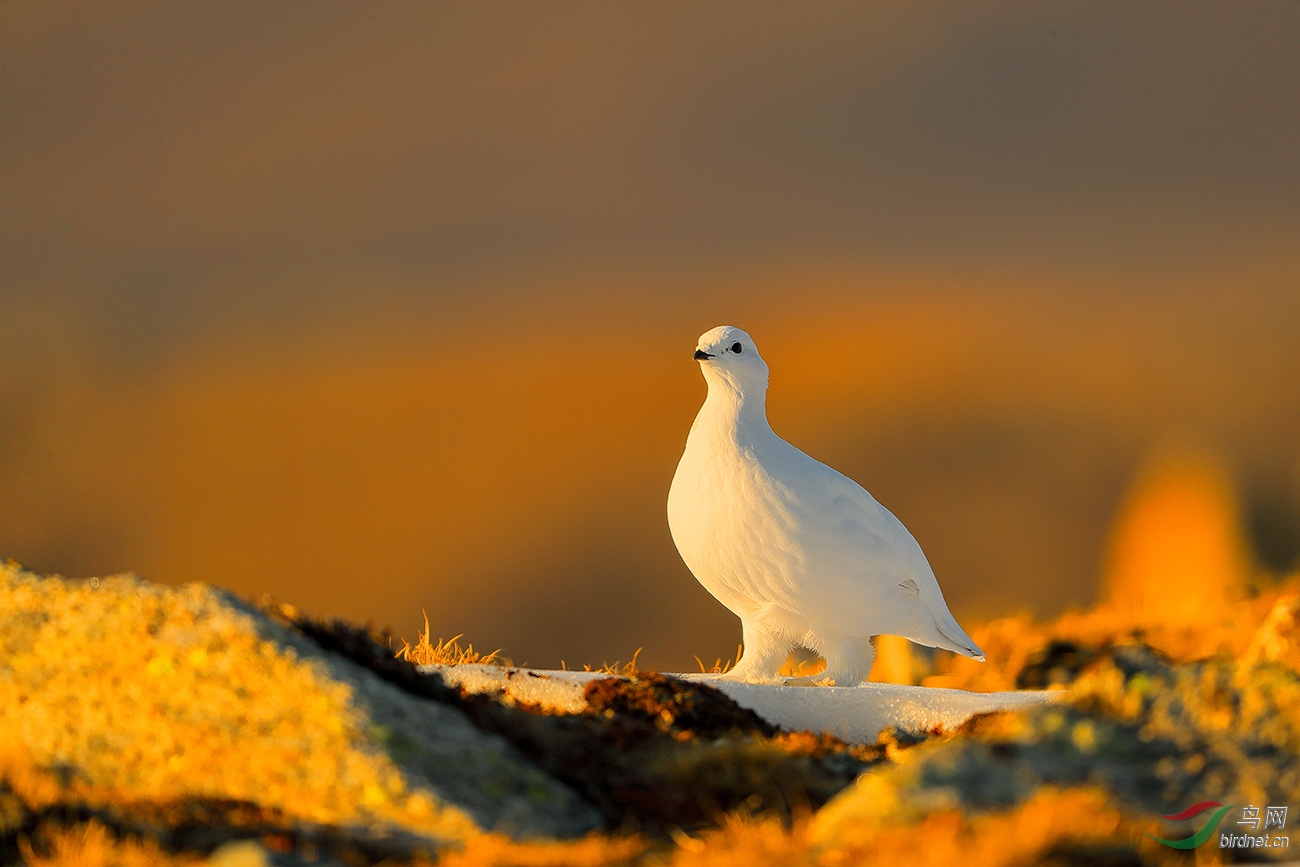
(799, 552)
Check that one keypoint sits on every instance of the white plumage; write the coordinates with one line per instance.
(801, 553)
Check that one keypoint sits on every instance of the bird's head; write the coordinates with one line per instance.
(728, 356)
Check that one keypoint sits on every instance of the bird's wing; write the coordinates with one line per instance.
(866, 573)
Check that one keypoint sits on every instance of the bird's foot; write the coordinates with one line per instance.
(744, 676)
(809, 680)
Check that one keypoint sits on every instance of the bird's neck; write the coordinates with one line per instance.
(734, 412)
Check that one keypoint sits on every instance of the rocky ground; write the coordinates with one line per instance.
(148, 724)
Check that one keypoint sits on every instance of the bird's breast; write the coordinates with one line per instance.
(731, 525)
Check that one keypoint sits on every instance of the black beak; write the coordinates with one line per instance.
(700, 355)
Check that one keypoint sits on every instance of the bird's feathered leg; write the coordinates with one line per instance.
(848, 662)
(763, 654)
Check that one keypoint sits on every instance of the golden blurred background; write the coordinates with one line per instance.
(382, 308)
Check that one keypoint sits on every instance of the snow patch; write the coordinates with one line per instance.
(855, 714)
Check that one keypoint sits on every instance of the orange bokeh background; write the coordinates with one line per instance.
(380, 311)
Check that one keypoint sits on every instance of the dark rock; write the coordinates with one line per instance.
(674, 705)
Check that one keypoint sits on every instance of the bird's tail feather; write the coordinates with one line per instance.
(958, 640)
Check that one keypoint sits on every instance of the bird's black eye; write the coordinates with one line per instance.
(736, 347)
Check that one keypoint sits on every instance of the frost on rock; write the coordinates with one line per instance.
(856, 714)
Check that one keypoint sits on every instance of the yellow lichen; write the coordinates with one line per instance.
(1051, 820)
(127, 691)
(152, 693)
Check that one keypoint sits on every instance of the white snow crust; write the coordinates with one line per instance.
(856, 714)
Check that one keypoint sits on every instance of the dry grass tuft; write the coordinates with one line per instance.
(595, 850)
(84, 844)
(743, 839)
(616, 667)
(449, 652)
(92, 845)
(720, 667)
(1228, 631)
(800, 663)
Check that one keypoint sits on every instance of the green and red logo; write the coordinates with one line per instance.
(1200, 836)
